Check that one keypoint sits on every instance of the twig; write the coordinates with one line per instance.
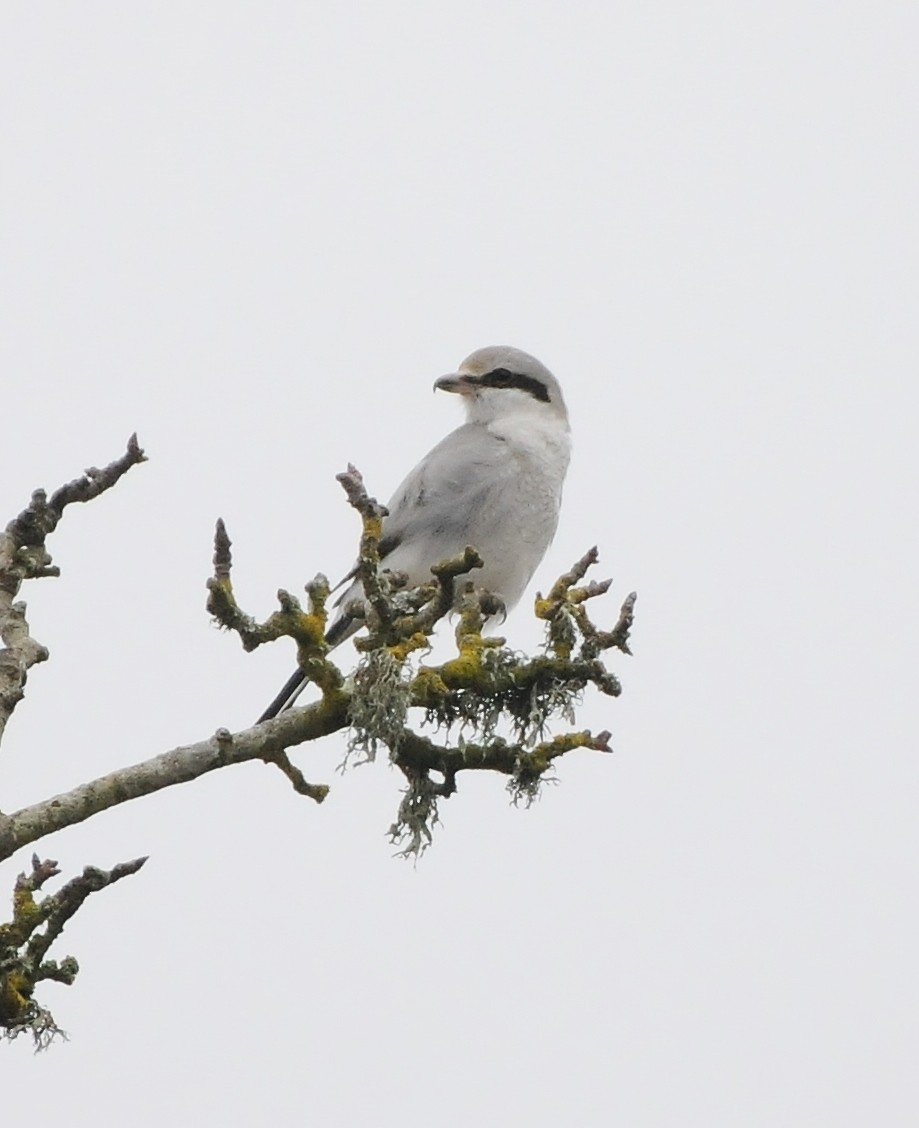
(41, 516)
(23, 556)
(25, 940)
(261, 742)
(306, 628)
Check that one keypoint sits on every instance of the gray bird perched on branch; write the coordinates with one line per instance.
(494, 483)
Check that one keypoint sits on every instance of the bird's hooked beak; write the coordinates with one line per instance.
(457, 382)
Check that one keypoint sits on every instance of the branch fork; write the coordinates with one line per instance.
(483, 688)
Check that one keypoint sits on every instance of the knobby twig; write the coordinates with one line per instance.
(23, 556)
(396, 618)
(25, 940)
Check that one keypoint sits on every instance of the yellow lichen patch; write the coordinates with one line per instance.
(220, 600)
(15, 998)
(428, 687)
(26, 914)
(331, 712)
(544, 608)
(310, 628)
(373, 528)
(401, 651)
(466, 672)
(225, 584)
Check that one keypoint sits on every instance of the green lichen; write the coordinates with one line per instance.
(413, 829)
(378, 711)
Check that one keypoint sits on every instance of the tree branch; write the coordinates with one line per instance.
(24, 944)
(307, 629)
(23, 557)
(484, 683)
(496, 707)
(264, 742)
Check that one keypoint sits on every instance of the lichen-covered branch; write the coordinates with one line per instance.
(565, 612)
(418, 757)
(367, 568)
(24, 942)
(399, 619)
(484, 686)
(488, 708)
(23, 556)
(306, 628)
(484, 689)
(502, 703)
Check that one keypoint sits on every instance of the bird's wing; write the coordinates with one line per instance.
(432, 506)
(438, 495)
(387, 544)
(444, 488)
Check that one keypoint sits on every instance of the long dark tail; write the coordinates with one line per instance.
(280, 703)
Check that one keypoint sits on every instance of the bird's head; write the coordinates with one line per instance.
(500, 380)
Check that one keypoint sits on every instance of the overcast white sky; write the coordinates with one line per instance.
(256, 233)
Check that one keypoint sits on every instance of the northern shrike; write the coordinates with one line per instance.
(495, 483)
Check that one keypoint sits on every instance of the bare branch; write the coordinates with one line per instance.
(181, 765)
(24, 943)
(619, 636)
(60, 907)
(20, 652)
(23, 556)
(41, 516)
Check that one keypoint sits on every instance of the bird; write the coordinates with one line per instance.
(494, 483)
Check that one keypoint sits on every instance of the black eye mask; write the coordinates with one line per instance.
(504, 378)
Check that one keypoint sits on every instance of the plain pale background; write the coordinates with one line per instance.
(256, 233)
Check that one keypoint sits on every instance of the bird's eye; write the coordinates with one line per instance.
(500, 377)
(504, 378)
